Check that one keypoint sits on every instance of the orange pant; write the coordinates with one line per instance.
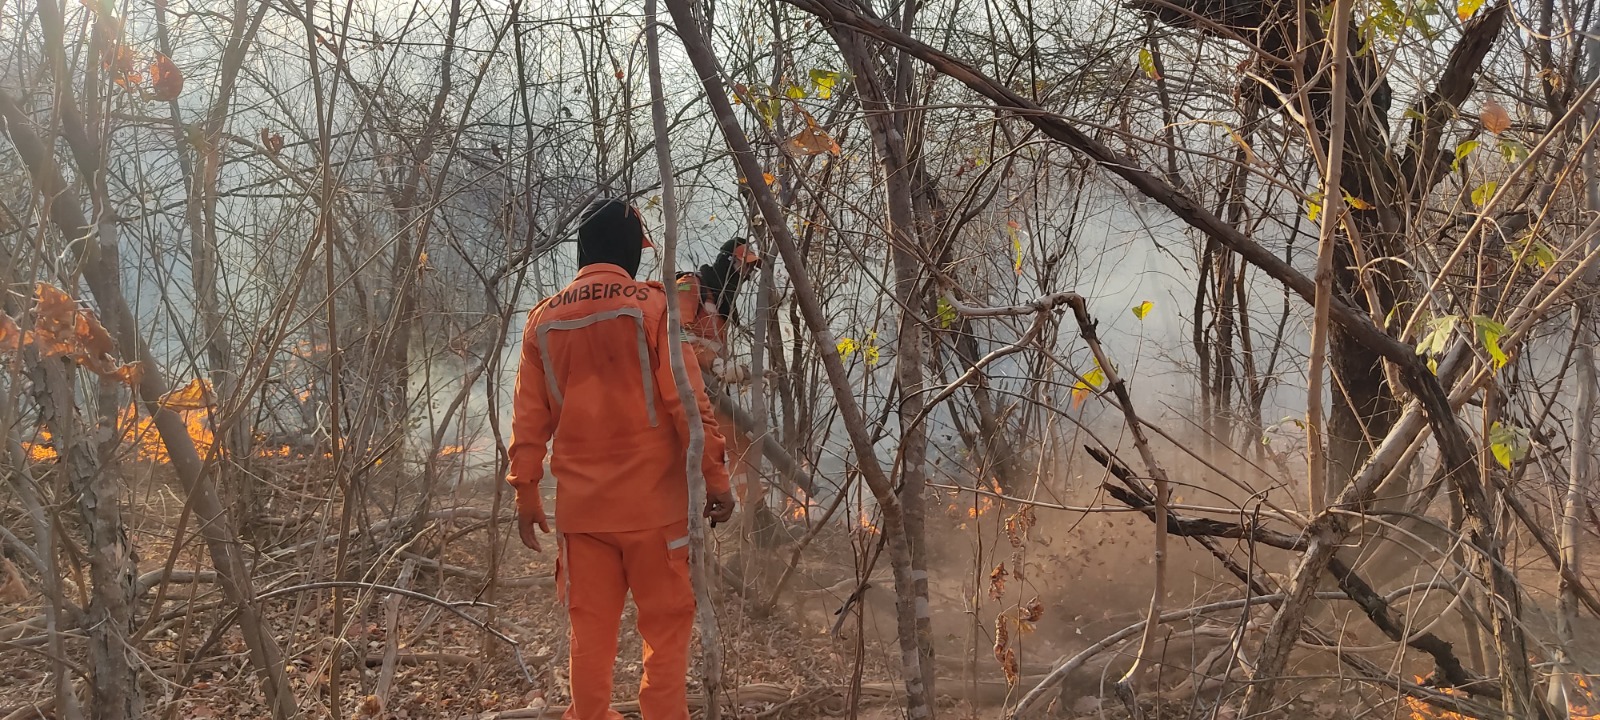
(595, 571)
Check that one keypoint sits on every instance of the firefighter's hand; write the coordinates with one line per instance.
(730, 372)
(529, 526)
(719, 506)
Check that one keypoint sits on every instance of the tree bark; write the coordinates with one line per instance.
(710, 636)
(919, 703)
(115, 693)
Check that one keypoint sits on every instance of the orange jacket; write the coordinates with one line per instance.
(595, 377)
(706, 328)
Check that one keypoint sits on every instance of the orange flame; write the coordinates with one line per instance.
(141, 431)
(1581, 704)
(864, 523)
(800, 506)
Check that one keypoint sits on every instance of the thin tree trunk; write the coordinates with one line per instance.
(1568, 531)
(1333, 213)
(919, 703)
(889, 131)
(710, 636)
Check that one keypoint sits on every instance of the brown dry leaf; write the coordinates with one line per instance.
(194, 396)
(166, 81)
(997, 582)
(272, 141)
(13, 590)
(1003, 654)
(1033, 611)
(812, 140)
(371, 706)
(1495, 118)
(1002, 635)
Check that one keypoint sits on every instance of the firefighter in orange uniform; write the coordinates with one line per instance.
(595, 382)
(706, 308)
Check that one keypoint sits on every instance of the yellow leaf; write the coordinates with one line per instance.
(1016, 243)
(1467, 8)
(1494, 116)
(846, 346)
(1143, 309)
(1147, 63)
(1356, 202)
(1249, 155)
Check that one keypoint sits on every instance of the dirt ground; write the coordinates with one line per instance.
(1060, 584)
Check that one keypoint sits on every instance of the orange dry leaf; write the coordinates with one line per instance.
(92, 335)
(1495, 118)
(128, 374)
(11, 337)
(55, 322)
(194, 396)
(118, 62)
(166, 81)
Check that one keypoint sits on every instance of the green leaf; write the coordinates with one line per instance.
(1413, 114)
(1540, 254)
(768, 110)
(823, 81)
(1490, 331)
(1462, 151)
(946, 313)
(1147, 63)
(1509, 443)
(1482, 194)
(1513, 151)
(1438, 338)
(1467, 8)
(1142, 309)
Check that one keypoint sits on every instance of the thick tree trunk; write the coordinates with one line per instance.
(109, 617)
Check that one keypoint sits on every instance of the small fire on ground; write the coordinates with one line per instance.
(140, 431)
(1583, 704)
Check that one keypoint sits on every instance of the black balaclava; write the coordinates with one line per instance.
(611, 231)
(721, 280)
